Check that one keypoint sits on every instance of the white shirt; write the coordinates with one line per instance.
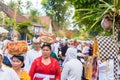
(30, 57)
(8, 74)
(79, 47)
(72, 70)
(71, 53)
(56, 46)
(85, 49)
(106, 70)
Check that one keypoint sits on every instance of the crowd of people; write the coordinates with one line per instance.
(63, 60)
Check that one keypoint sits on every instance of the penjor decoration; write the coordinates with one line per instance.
(107, 48)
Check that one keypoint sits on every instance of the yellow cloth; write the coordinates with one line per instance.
(88, 69)
(95, 48)
(88, 65)
(24, 75)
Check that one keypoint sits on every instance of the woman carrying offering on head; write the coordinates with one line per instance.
(45, 67)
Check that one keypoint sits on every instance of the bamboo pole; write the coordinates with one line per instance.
(114, 25)
(15, 14)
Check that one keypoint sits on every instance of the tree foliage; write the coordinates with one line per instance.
(22, 28)
(16, 6)
(34, 17)
(57, 10)
(91, 12)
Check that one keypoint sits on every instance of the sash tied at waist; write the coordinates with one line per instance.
(44, 76)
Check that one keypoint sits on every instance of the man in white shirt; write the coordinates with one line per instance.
(7, 73)
(56, 47)
(33, 54)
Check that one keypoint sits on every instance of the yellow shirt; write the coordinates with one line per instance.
(24, 75)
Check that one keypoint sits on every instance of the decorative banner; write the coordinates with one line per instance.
(17, 47)
(47, 37)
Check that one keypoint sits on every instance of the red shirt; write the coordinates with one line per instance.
(51, 69)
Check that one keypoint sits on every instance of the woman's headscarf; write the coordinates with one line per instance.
(70, 54)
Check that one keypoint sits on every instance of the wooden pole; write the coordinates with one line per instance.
(15, 14)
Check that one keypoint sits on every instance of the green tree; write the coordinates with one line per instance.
(22, 28)
(34, 15)
(91, 12)
(57, 10)
(17, 6)
(28, 5)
